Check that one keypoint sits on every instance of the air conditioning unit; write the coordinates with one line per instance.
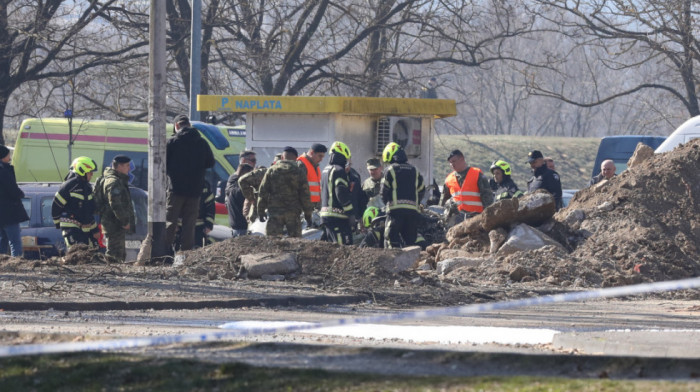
(406, 131)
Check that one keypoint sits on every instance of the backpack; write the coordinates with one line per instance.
(101, 201)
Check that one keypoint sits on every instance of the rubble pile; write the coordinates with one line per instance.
(641, 226)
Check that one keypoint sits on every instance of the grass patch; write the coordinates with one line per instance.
(574, 157)
(91, 371)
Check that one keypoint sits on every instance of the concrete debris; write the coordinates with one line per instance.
(445, 266)
(452, 253)
(523, 238)
(261, 264)
(403, 261)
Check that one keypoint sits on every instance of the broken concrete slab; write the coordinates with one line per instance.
(523, 238)
(446, 266)
(261, 264)
(403, 261)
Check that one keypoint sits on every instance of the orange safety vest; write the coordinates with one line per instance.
(313, 176)
(467, 196)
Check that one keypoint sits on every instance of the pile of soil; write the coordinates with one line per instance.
(641, 226)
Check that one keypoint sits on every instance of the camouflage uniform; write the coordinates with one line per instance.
(284, 192)
(116, 211)
(372, 188)
(249, 184)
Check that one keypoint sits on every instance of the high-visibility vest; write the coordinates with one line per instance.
(313, 176)
(467, 196)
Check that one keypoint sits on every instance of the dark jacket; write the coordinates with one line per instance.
(73, 205)
(188, 158)
(336, 198)
(359, 198)
(402, 186)
(596, 179)
(234, 204)
(506, 189)
(545, 178)
(11, 208)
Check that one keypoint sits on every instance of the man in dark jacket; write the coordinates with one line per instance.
(607, 171)
(235, 201)
(73, 209)
(402, 190)
(359, 198)
(188, 157)
(284, 195)
(337, 214)
(12, 211)
(115, 208)
(543, 177)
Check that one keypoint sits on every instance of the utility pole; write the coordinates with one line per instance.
(195, 58)
(156, 129)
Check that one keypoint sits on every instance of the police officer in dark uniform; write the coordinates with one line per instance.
(402, 190)
(543, 177)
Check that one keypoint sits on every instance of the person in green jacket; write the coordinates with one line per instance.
(113, 201)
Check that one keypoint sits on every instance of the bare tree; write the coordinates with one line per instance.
(35, 36)
(627, 37)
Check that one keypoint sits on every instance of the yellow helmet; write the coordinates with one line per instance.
(503, 165)
(83, 165)
(342, 149)
(370, 213)
(389, 151)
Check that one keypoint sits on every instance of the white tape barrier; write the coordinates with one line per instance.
(117, 344)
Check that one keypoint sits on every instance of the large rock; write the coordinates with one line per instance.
(261, 264)
(403, 261)
(641, 154)
(464, 228)
(445, 266)
(524, 238)
(499, 214)
(536, 208)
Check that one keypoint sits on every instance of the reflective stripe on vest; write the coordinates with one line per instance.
(313, 176)
(467, 197)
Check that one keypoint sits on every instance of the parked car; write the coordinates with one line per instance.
(41, 239)
(567, 195)
(688, 131)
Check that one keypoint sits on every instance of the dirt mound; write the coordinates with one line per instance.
(644, 224)
(322, 263)
(641, 226)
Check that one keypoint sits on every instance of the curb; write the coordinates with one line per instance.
(164, 305)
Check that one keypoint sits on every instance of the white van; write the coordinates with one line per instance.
(685, 133)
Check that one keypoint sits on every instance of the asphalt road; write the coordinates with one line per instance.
(602, 338)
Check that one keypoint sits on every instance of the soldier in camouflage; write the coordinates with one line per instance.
(284, 193)
(372, 185)
(113, 201)
(249, 184)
